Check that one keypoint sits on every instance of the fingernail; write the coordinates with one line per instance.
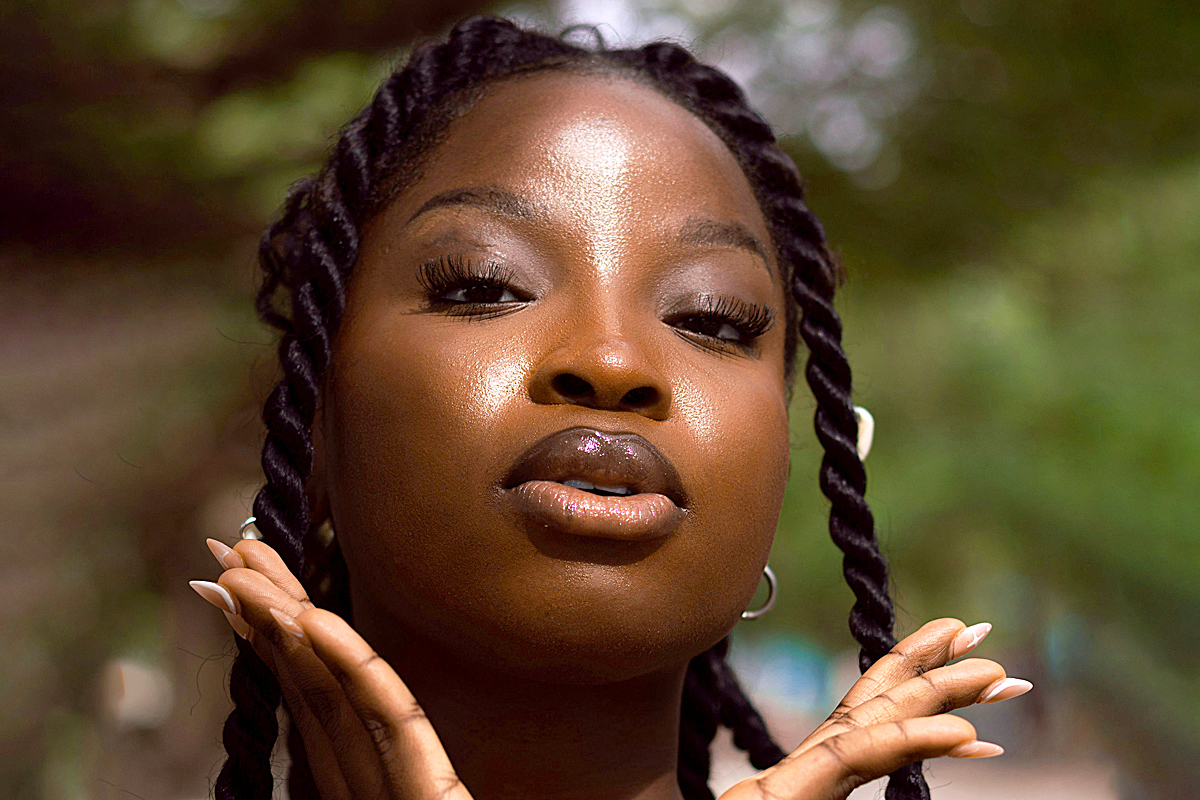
(216, 594)
(226, 556)
(976, 749)
(968, 638)
(289, 624)
(239, 625)
(1004, 690)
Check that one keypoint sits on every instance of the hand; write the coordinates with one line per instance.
(365, 734)
(894, 715)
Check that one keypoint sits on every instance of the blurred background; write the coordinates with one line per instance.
(1014, 186)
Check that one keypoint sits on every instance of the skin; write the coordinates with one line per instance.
(551, 665)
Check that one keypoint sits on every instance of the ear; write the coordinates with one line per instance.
(317, 488)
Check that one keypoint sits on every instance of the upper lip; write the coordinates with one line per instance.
(606, 459)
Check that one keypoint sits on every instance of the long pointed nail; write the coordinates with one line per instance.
(976, 749)
(240, 626)
(216, 594)
(1004, 689)
(968, 638)
(226, 556)
(289, 624)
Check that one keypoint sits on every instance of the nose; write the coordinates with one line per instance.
(607, 373)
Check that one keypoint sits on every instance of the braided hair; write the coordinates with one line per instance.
(307, 256)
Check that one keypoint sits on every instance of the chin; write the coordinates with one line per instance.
(594, 634)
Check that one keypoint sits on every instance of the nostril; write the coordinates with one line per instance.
(572, 386)
(641, 397)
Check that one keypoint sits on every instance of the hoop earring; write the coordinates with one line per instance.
(245, 532)
(772, 589)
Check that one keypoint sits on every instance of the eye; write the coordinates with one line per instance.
(711, 326)
(481, 293)
(457, 285)
(725, 322)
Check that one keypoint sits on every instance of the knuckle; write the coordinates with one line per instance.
(413, 714)
(328, 707)
(380, 731)
(851, 720)
(447, 784)
(909, 660)
(370, 662)
(835, 748)
(903, 735)
(768, 787)
(892, 705)
(945, 702)
(838, 714)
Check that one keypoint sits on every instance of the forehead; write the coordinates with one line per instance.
(596, 148)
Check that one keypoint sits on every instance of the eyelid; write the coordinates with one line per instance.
(449, 273)
(751, 320)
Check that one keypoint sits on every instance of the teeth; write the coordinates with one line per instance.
(587, 486)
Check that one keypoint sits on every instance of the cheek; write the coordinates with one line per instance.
(743, 438)
(416, 414)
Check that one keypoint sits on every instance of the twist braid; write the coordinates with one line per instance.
(250, 730)
(310, 252)
(699, 720)
(813, 278)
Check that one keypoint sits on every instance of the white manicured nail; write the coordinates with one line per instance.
(239, 625)
(289, 624)
(968, 638)
(1004, 689)
(976, 749)
(226, 556)
(216, 594)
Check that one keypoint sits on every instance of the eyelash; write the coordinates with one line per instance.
(748, 320)
(446, 275)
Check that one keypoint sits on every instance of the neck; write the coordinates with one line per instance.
(510, 737)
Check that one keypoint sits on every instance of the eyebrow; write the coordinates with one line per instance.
(696, 231)
(488, 198)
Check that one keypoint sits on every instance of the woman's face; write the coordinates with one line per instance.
(555, 437)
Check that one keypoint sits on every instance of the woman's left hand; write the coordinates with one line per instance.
(894, 715)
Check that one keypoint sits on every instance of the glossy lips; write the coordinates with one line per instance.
(636, 492)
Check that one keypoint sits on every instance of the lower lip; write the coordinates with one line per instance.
(632, 518)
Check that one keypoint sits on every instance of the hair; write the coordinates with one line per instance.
(307, 256)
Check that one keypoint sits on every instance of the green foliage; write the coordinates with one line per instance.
(1036, 423)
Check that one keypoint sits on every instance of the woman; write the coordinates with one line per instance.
(544, 306)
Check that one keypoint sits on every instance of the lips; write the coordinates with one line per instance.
(592, 483)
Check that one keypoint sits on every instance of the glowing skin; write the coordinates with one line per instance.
(595, 189)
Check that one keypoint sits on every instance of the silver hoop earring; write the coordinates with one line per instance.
(772, 588)
(245, 532)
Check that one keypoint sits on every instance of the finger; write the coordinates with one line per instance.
(842, 763)
(413, 758)
(322, 758)
(322, 694)
(935, 692)
(930, 647)
(262, 558)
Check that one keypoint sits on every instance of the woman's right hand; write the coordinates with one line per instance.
(364, 733)
(366, 736)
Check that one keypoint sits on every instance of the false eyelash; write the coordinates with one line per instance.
(444, 273)
(750, 319)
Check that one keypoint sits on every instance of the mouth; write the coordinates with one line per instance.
(586, 482)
